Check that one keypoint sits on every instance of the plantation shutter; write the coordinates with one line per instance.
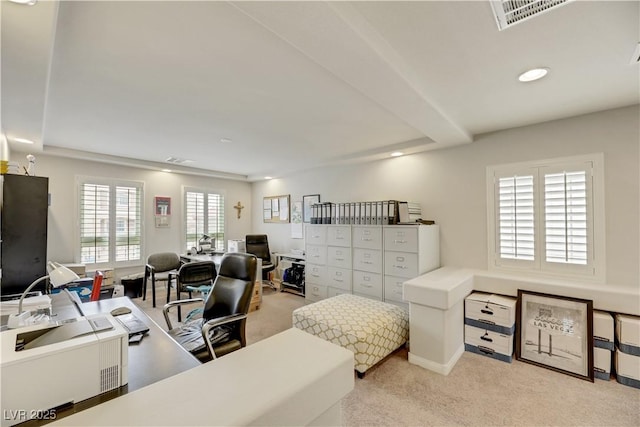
(516, 217)
(94, 223)
(194, 218)
(128, 223)
(204, 214)
(215, 219)
(567, 207)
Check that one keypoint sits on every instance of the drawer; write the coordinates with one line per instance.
(499, 343)
(402, 264)
(373, 297)
(367, 260)
(367, 284)
(315, 292)
(332, 292)
(316, 254)
(339, 278)
(401, 239)
(315, 235)
(339, 236)
(367, 237)
(393, 288)
(338, 256)
(315, 274)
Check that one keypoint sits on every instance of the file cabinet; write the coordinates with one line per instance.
(409, 251)
(368, 260)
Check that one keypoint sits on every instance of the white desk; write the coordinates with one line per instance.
(301, 384)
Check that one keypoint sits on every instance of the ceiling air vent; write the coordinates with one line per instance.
(177, 161)
(511, 12)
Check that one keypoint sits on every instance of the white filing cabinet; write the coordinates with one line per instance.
(409, 251)
(368, 260)
(316, 266)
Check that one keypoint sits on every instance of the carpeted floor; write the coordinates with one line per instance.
(478, 392)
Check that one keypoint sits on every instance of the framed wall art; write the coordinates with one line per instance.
(307, 201)
(555, 332)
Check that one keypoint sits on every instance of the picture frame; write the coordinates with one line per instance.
(555, 332)
(307, 202)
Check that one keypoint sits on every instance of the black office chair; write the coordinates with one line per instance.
(192, 275)
(221, 329)
(258, 244)
(160, 267)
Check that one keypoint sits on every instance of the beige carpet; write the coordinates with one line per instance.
(478, 392)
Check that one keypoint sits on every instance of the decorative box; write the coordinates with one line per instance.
(627, 369)
(488, 343)
(602, 363)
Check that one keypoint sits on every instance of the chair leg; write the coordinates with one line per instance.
(153, 292)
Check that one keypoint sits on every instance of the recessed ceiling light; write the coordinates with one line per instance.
(27, 2)
(167, 170)
(22, 140)
(397, 154)
(226, 140)
(533, 74)
(268, 177)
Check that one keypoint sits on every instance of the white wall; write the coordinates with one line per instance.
(450, 185)
(62, 212)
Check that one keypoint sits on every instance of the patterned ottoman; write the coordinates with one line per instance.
(370, 329)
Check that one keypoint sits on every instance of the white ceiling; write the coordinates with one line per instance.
(297, 85)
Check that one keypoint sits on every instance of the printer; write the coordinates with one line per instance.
(46, 366)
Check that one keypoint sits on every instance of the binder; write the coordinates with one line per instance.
(403, 212)
(352, 213)
(341, 207)
(379, 213)
(393, 212)
(385, 212)
(334, 213)
(367, 212)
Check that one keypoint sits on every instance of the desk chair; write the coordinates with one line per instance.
(97, 284)
(192, 276)
(161, 267)
(258, 244)
(221, 329)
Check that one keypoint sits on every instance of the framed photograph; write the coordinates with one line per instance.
(555, 332)
(162, 205)
(307, 201)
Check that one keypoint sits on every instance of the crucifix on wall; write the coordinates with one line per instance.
(239, 207)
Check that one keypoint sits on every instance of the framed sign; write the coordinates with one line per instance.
(307, 201)
(555, 332)
(276, 209)
(162, 209)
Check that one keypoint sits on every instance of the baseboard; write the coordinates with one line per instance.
(439, 368)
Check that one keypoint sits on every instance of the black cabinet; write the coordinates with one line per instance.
(24, 231)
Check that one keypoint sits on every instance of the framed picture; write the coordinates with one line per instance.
(555, 332)
(307, 201)
(162, 205)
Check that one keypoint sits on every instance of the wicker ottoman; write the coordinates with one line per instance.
(370, 329)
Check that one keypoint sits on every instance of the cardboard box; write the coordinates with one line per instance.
(627, 369)
(496, 313)
(628, 334)
(79, 269)
(602, 363)
(603, 331)
(488, 343)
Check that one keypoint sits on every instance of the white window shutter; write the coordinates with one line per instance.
(94, 223)
(515, 217)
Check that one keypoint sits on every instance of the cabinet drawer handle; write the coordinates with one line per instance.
(489, 312)
(316, 237)
(402, 267)
(399, 241)
(367, 262)
(338, 280)
(339, 259)
(366, 239)
(366, 285)
(315, 275)
(485, 337)
(339, 238)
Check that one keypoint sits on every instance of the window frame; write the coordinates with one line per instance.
(112, 183)
(220, 244)
(594, 270)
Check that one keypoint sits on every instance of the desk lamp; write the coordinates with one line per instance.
(58, 275)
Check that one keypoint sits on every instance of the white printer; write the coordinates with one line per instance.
(45, 366)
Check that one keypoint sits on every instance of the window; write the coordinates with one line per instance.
(110, 222)
(204, 214)
(548, 216)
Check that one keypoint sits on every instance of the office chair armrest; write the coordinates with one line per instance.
(169, 305)
(218, 322)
